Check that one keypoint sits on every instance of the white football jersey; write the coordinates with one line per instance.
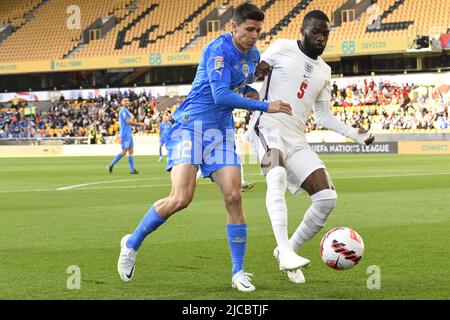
(297, 80)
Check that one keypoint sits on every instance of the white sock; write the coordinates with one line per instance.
(323, 203)
(242, 175)
(276, 205)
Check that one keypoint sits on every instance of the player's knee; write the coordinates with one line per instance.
(325, 200)
(272, 159)
(277, 176)
(232, 198)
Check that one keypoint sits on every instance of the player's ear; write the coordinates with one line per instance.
(234, 26)
(302, 31)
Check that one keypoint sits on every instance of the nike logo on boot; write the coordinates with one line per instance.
(131, 273)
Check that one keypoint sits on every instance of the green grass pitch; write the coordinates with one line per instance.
(58, 212)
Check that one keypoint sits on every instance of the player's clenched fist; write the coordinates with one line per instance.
(365, 136)
(280, 106)
(262, 69)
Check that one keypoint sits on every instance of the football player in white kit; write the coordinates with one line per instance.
(296, 73)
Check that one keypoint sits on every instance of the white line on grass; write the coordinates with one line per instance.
(343, 171)
(76, 186)
(395, 175)
(385, 175)
(80, 186)
(23, 191)
(259, 180)
(88, 185)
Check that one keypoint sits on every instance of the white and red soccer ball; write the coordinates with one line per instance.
(341, 248)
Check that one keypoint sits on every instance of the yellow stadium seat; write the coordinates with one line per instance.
(47, 35)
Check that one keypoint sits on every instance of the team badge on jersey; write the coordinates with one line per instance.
(245, 70)
(218, 62)
(309, 68)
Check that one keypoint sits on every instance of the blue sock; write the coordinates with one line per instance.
(148, 224)
(116, 159)
(131, 163)
(160, 152)
(237, 240)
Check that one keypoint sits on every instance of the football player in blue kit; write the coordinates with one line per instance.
(126, 121)
(203, 137)
(164, 128)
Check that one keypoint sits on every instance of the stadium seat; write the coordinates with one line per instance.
(46, 35)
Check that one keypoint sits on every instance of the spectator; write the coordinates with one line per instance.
(386, 106)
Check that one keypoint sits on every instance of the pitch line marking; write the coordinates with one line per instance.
(82, 186)
(78, 186)
(258, 180)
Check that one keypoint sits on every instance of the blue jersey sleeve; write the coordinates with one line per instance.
(219, 75)
(249, 89)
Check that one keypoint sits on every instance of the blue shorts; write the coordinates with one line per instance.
(211, 148)
(127, 144)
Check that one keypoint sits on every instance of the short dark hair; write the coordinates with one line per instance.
(315, 14)
(247, 11)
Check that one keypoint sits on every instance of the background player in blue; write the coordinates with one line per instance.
(164, 128)
(203, 136)
(126, 136)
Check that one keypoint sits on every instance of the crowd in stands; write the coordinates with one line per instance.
(93, 118)
(379, 106)
(386, 106)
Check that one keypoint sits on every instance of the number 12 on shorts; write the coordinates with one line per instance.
(302, 89)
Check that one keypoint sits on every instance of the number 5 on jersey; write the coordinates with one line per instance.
(302, 89)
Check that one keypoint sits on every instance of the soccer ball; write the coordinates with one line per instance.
(341, 248)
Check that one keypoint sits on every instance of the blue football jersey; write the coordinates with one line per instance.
(124, 127)
(220, 61)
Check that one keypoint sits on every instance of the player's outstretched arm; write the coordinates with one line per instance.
(220, 69)
(275, 106)
(135, 123)
(325, 119)
(223, 95)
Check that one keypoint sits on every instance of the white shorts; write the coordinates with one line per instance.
(301, 161)
(299, 166)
